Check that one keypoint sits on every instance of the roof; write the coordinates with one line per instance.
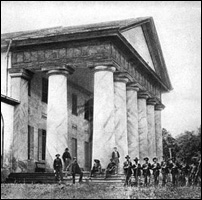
(111, 28)
(70, 29)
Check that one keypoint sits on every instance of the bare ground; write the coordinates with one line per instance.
(95, 191)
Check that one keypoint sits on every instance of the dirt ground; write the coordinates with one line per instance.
(94, 191)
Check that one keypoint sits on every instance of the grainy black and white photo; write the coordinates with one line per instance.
(100, 99)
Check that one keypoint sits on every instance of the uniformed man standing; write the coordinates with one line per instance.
(57, 166)
(164, 172)
(136, 171)
(127, 167)
(156, 171)
(66, 159)
(115, 157)
(146, 171)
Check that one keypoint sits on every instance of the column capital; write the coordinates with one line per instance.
(104, 68)
(121, 77)
(132, 86)
(159, 107)
(151, 101)
(64, 69)
(20, 72)
(143, 95)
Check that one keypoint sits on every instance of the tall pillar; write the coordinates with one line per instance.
(121, 140)
(158, 130)
(132, 120)
(57, 113)
(103, 114)
(19, 91)
(151, 129)
(142, 125)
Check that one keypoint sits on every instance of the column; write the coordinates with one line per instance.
(158, 130)
(121, 140)
(151, 128)
(103, 114)
(57, 114)
(142, 125)
(19, 91)
(132, 120)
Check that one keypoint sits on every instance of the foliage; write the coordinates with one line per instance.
(184, 147)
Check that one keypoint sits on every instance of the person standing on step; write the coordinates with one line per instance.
(57, 166)
(66, 159)
(75, 169)
(115, 157)
(146, 171)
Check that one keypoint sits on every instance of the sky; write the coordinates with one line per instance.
(178, 24)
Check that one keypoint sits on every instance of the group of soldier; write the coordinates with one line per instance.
(171, 171)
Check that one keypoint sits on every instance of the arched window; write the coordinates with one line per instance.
(2, 139)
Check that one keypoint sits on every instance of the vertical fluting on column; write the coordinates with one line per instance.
(132, 120)
(158, 131)
(142, 125)
(151, 128)
(120, 121)
(57, 114)
(103, 114)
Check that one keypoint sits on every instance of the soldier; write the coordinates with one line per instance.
(136, 171)
(165, 172)
(156, 171)
(146, 171)
(57, 166)
(96, 167)
(75, 169)
(184, 171)
(193, 171)
(174, 172)
(110, 168)
(66, 159)
(115, 157)
(127, 166)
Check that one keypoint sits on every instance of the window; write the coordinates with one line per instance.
(29, 88)
(44, 90)
(88, 110)
(74, 147)
(74, 104)
(30, 142)
(41, 144)
(88, 155)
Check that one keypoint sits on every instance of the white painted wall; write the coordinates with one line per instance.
(7, 112)
(3, 74)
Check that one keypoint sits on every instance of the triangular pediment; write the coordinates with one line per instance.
(135, 36)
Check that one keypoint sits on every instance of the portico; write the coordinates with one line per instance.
(102, 62)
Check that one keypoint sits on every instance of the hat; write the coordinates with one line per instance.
(66, 149)
(127, 156)
(74, 158)
(146, 159)
(136, 159)
(96, 160)
(57, 155)
(155, 158)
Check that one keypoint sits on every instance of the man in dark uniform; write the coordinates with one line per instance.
(146, 171)
(57, 166)
(164, 172)
(127, 166)
(110, 168)
(66, 159)
(193, 171)
(96, 167)
(75, 169)
(174, 171)
(136, 171)
(156, 171)
(115, 157)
